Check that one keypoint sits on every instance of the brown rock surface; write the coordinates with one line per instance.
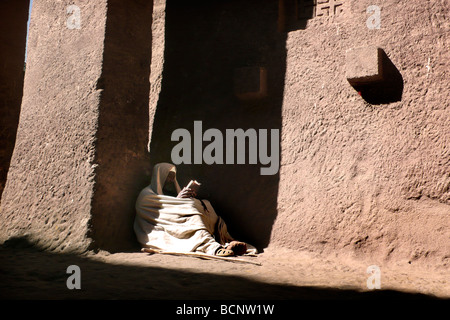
(80, 158)
(367, 180)
(50, 183)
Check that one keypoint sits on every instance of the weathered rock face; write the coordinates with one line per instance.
(50, 184)
(84, 113)
(365, 163)
(367, 179)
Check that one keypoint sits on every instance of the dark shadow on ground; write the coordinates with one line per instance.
(30, 273)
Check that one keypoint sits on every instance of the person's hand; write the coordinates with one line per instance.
(238, 247)
(186, 193)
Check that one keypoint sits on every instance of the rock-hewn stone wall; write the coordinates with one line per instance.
(51, 179)
(359, 178)
(81, 153)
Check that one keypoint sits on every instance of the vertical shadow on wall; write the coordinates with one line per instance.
(13, 31)
(294, 14)
(206, 42)
(121, 152)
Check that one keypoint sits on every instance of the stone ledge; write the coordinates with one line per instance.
(364, 65)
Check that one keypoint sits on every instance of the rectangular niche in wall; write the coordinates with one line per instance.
(250, 83)
(373, 75)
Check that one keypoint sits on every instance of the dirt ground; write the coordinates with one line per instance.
(28, 273)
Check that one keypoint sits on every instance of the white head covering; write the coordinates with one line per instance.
(159, 176)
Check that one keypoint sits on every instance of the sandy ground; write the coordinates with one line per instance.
(28, 273)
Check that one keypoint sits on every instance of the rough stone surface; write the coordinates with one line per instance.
(81, 155)
(50, 186)
(157, 63)
(359, 179)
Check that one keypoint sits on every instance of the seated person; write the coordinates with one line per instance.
(171, 219)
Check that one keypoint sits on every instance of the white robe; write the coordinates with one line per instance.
(177, 224)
